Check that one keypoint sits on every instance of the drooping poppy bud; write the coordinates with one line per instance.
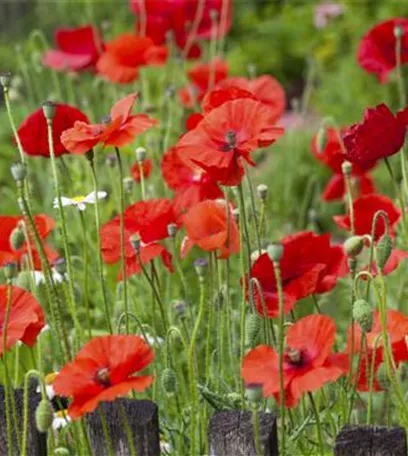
(354, 246)
(252, 327)
(44, 415)
(169, 381)
(17, 238)
(363, 314)
(383, 250)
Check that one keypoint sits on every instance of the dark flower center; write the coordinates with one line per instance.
(294, 357)
(106, 119)
(102, 377)
(230, 141)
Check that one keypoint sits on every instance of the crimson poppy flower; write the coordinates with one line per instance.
(147, 167)
(365, 208)
(162, 16)
(26, 317)
(207, 227)
(397, 330)
(191, 185)
(102, 371)
(77, 49)
(379, 135)
(126, 54)
(202, 77)
(226, 136)
(308, 361)
(33, 131)
(119, 130)
(8, 254)
(265, 88)
(377, 50)
(309, 265)
(333, 156)
(147, 219)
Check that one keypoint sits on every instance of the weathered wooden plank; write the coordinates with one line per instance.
(142, 416)
(371, 441)
(231, 433)
(36, 441)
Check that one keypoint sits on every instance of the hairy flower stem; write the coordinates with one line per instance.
(281, 347)
(99, 249)
(12, 124)
(399, 196)
(142, 180)
(254, 214)
(257, 433)
(349, 196)
(122, 240)
(352, 262)
(191, 372)
(71, 301)
(52, 294)
(318, 424)
(85, 260)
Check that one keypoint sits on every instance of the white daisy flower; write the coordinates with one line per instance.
(49, 388)
(152, 340)
(80, 201)
(61, 419)
(40, 278)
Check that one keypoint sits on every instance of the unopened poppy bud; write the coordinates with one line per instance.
(201, 265)
(363, 314)
(135, 242)
(253, 392)
(180, 307)
(321, 139)
(17, 238)
(60, 266)
(49, 109)
(111, 160)
(10, 270)
(172, 230)
(383, 250)
(382, 376)
(44, 415)
(275, 252)
(169, 381)
(354, 246)
(252, 328)
(128, 184)
(346, 167)
(5, 79)
(262, 191)
(24, 280)
(398, 31)
(256, 254)
(19, 171)
(140, 154)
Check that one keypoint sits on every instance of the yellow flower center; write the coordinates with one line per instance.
(78, 199)
(61, 413)
(49, 379)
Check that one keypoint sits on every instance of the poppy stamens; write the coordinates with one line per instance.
(106, 120)
(230, 141)
(102, 377)
(294, 356)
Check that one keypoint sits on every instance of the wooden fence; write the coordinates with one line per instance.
(230, 432)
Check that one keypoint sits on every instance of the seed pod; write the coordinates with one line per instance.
(169, 381)
(262, 191)
(363, 314)
(49, 109)
(10, 270)
(140, 154)
(5, 79)
(354, 246)
(17, 238)
(252, 328)
(253, 392)
(275, 252)
(384, 249)
(44, 415)
(18, 171)
(347, 167)
(172, 230)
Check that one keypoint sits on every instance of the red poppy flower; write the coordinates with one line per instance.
(149, 220)
(147, 167)
(227, 135)
(191, 185)
(102, 371)
(120, 129)
(397, 330)
(377, 50)
(265, 88)
(379, 135)
(365, 208)
(309, 265)
(308, 361)
(202, 77)
(77, 49)
(10, 255)
(125, 54)
(333, 156)
(162, 16)
(33, 132)
(26, 318)
(207, 227)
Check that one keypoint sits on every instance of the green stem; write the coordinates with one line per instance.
(192, 376)
(122, 239)
(398, 193)
(142, 180)
(318, 424)
(349, 196)
(257, 434)
(85, 261)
